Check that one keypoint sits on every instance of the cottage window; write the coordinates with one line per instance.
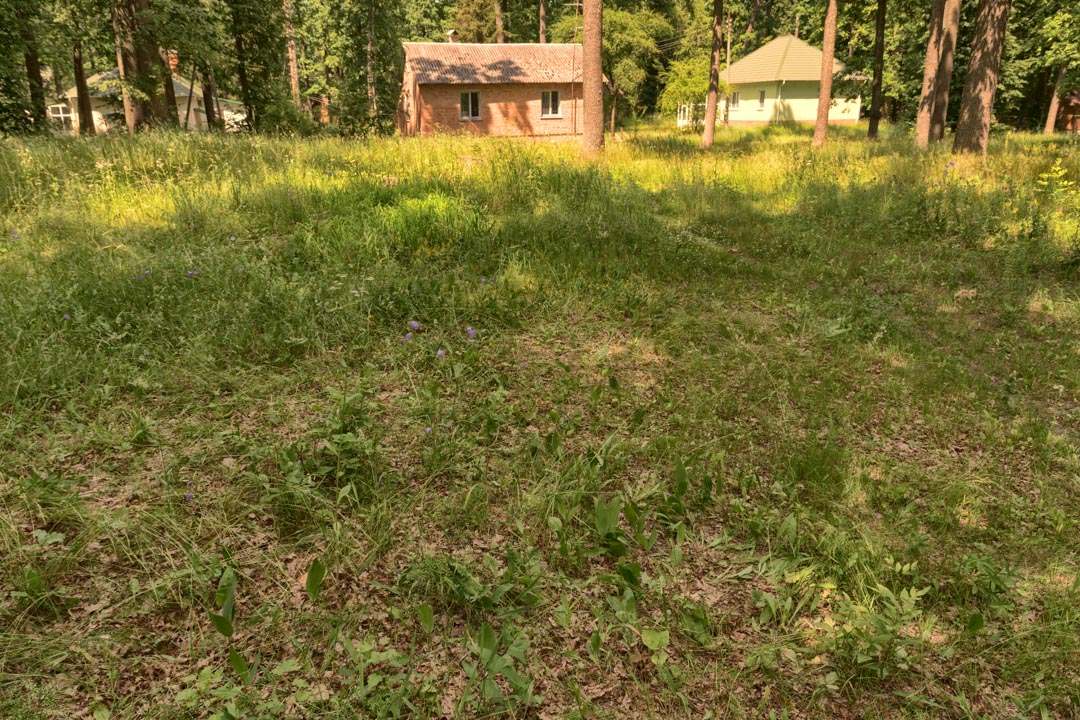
(734, 101)
(761, 100)
(61, 115)
(549, 104)
(470, 106)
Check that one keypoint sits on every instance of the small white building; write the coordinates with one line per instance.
(108, 107)
(778, 83)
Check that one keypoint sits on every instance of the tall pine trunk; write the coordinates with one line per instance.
(209, 96)
(241, 71)
(171, 112)
(1055, 104)
(712, 100)
(290, 54)
(821, 127)
(500, 32)
(373, 106)
(33, 75)
(123, 21)
(82, 92)
(950, 27)
(877, 99)
(151, 69)
(543, 21)
(592, 77)
(980, 83)
(930, 69)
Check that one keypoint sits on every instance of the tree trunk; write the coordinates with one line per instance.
(1055, 100)
(123, 21)
(930, 69)
(727, 68)
(614, 107)
(592, 77)
(950, 26)
(151, 68)
(373, 108)
(713, 98)
(208, 93)
(33, 75)
(171, 113)
(543, 21)
(190, 97)
(821, 127)
(241, 72)
(290, 53)
(82, 93)
(877, 98)
(500, 33)
(980, 83)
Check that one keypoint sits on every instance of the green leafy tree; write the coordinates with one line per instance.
(631, 52)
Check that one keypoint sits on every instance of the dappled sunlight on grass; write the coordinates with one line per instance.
(804, 420)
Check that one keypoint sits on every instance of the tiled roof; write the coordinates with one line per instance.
(785, 58)
(489, 63)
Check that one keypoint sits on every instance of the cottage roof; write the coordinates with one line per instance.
(106, 84)
(785, 58)
(489, 63)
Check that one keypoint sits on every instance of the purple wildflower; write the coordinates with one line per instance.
(471, 333)
(427, 431)
(146, 272)
(188, 496)
(66, 316)
(414, 325)
(192, 273)
(441, 353)
(483, 281)
(407, 338)
(232, 238)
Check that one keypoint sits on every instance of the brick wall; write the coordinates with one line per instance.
(504, 110)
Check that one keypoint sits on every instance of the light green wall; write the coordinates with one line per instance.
(787, 102)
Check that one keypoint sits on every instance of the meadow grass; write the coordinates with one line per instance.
(748, 432)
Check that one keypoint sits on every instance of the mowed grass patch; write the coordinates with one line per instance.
(458, 427)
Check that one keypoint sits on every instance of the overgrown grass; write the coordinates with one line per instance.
(682, 433)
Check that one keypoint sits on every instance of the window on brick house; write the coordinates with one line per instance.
(470, 106)
(761, 100)
(549, 104)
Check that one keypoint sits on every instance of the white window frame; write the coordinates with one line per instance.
(65, 117)
(471, 113)
(546, 97)
(761, 100)
(734, 103)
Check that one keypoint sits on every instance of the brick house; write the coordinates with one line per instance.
(528, 89)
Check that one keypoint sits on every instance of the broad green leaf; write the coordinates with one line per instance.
(680, 479)
(488, 642)
(975, 623)
(285, 667)
(655, 639)
(427, 617)
(222, 624)
(315, 577)
(239, 664)
(594, 647)
(606, 516)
